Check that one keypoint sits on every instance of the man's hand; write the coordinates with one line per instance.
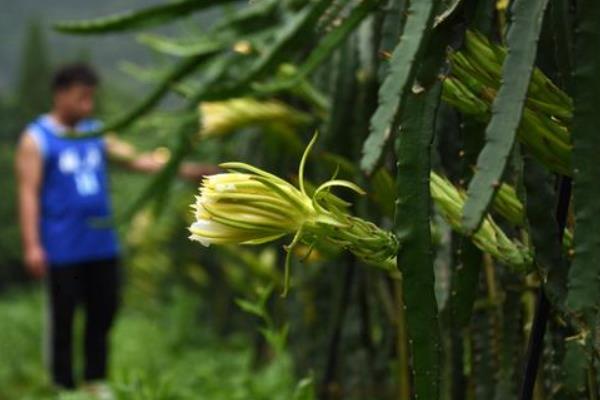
(127, 156)
(35, 261)
(194, 172)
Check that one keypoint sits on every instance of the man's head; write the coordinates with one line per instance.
(73, 89)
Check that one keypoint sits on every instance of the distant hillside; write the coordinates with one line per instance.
(105, 51)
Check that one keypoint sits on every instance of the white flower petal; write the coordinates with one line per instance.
(225, 187)
(203, 241)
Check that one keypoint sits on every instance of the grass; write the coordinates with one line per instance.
(158, 354)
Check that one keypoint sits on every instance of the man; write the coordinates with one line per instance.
(63, 194)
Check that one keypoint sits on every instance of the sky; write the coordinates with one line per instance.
(106, 51)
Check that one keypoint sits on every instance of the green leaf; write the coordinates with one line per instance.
(400, 76)
(251, 307)
(305, 390)
(584, 275)
(506, 110)
(412, 227)
(139, 19)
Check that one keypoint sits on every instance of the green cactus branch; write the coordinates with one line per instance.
(544, 127)
(139, 19)
(584, 275)
(506, 110)
(412, 228)
(402, 69)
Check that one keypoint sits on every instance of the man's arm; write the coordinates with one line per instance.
(29, 170)
(127, 156)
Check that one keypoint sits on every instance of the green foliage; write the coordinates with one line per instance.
(322, 58)
(185, 357)
(10, 249)
(276, 337)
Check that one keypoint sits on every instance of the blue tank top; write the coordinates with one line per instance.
(74, 204)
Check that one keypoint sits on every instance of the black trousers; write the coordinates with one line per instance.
(95, 285)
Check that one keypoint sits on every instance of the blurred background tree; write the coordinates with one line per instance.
(33, 90)
(29, 98)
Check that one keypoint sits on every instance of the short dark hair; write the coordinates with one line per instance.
(71, 74)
